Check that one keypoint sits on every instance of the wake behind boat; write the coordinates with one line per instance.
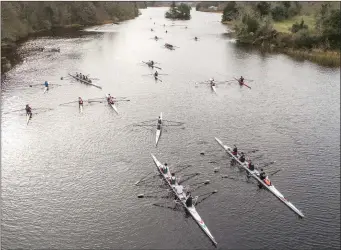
(255, 174)
(182, 198)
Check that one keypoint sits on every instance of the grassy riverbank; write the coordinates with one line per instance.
(306, 31)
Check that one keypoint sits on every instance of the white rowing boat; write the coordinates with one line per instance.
(182, 197)
(28, 117)
(46, 89)
(255, 175)
(81, 108)
(111, 104)
(158, 131)
(85, 81)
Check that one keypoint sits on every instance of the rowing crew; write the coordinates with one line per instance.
(251, 167)
(179, 188)
(83, 77)
(110, 99)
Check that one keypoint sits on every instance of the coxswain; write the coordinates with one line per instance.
(189, 200)
(28, 110)
(173, 179)
(156, 74)
(235, 150)
(46, 85)
(164, 168)
(80, 101)
(251, 166)
(242, 158)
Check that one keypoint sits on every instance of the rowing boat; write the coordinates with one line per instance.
(46, 89)
(182, 197)
(85, 81)
(241, 83)
(255, 175)
(28, 117)
(111, 104)
(158, 131)
(81, 108)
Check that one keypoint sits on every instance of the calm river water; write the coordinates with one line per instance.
(68, 178)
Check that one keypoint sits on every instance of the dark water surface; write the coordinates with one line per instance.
(68, 178)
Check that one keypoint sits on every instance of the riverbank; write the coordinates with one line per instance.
(10, 57)
(275, 43)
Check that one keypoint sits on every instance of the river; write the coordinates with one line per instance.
(68, 177)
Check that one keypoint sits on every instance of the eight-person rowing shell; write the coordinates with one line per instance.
(83, 77)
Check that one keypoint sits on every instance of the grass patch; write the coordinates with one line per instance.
(285, 25)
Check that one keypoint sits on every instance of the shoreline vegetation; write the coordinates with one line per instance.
(179, 12)
(21, 21)
(302, 30)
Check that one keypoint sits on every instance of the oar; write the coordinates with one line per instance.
(95, 101)
(14, 111)
(31, 85)
(122, 100)
(67, 103)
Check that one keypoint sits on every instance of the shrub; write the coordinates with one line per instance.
(279, 13)
(298, 26)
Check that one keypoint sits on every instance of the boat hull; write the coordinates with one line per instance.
(255, 174)
(85, 82)
(112, 105)
(158, 132)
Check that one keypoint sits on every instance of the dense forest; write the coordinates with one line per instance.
(19, 19)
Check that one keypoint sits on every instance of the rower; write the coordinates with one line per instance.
(152, 63)
(77, 74)
(251, 166)
(189, 201)
(212, 82)
(109, 97)
(241, 80)
(173, 179)
(151, 30)
(156, 74)
(164, 168)
(46, 85)
(159, 121)
(111, 101)
(195, 38)
(80, 101)
(80, 75)
(235, 150)
(156, 37)
(166, 31)
(262, 174)
(242, 158)
(28, 110)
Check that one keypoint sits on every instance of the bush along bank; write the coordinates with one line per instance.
(22, 20)
(258, 23)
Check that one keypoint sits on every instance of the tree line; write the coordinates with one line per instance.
(19, 19)
(254, 23)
